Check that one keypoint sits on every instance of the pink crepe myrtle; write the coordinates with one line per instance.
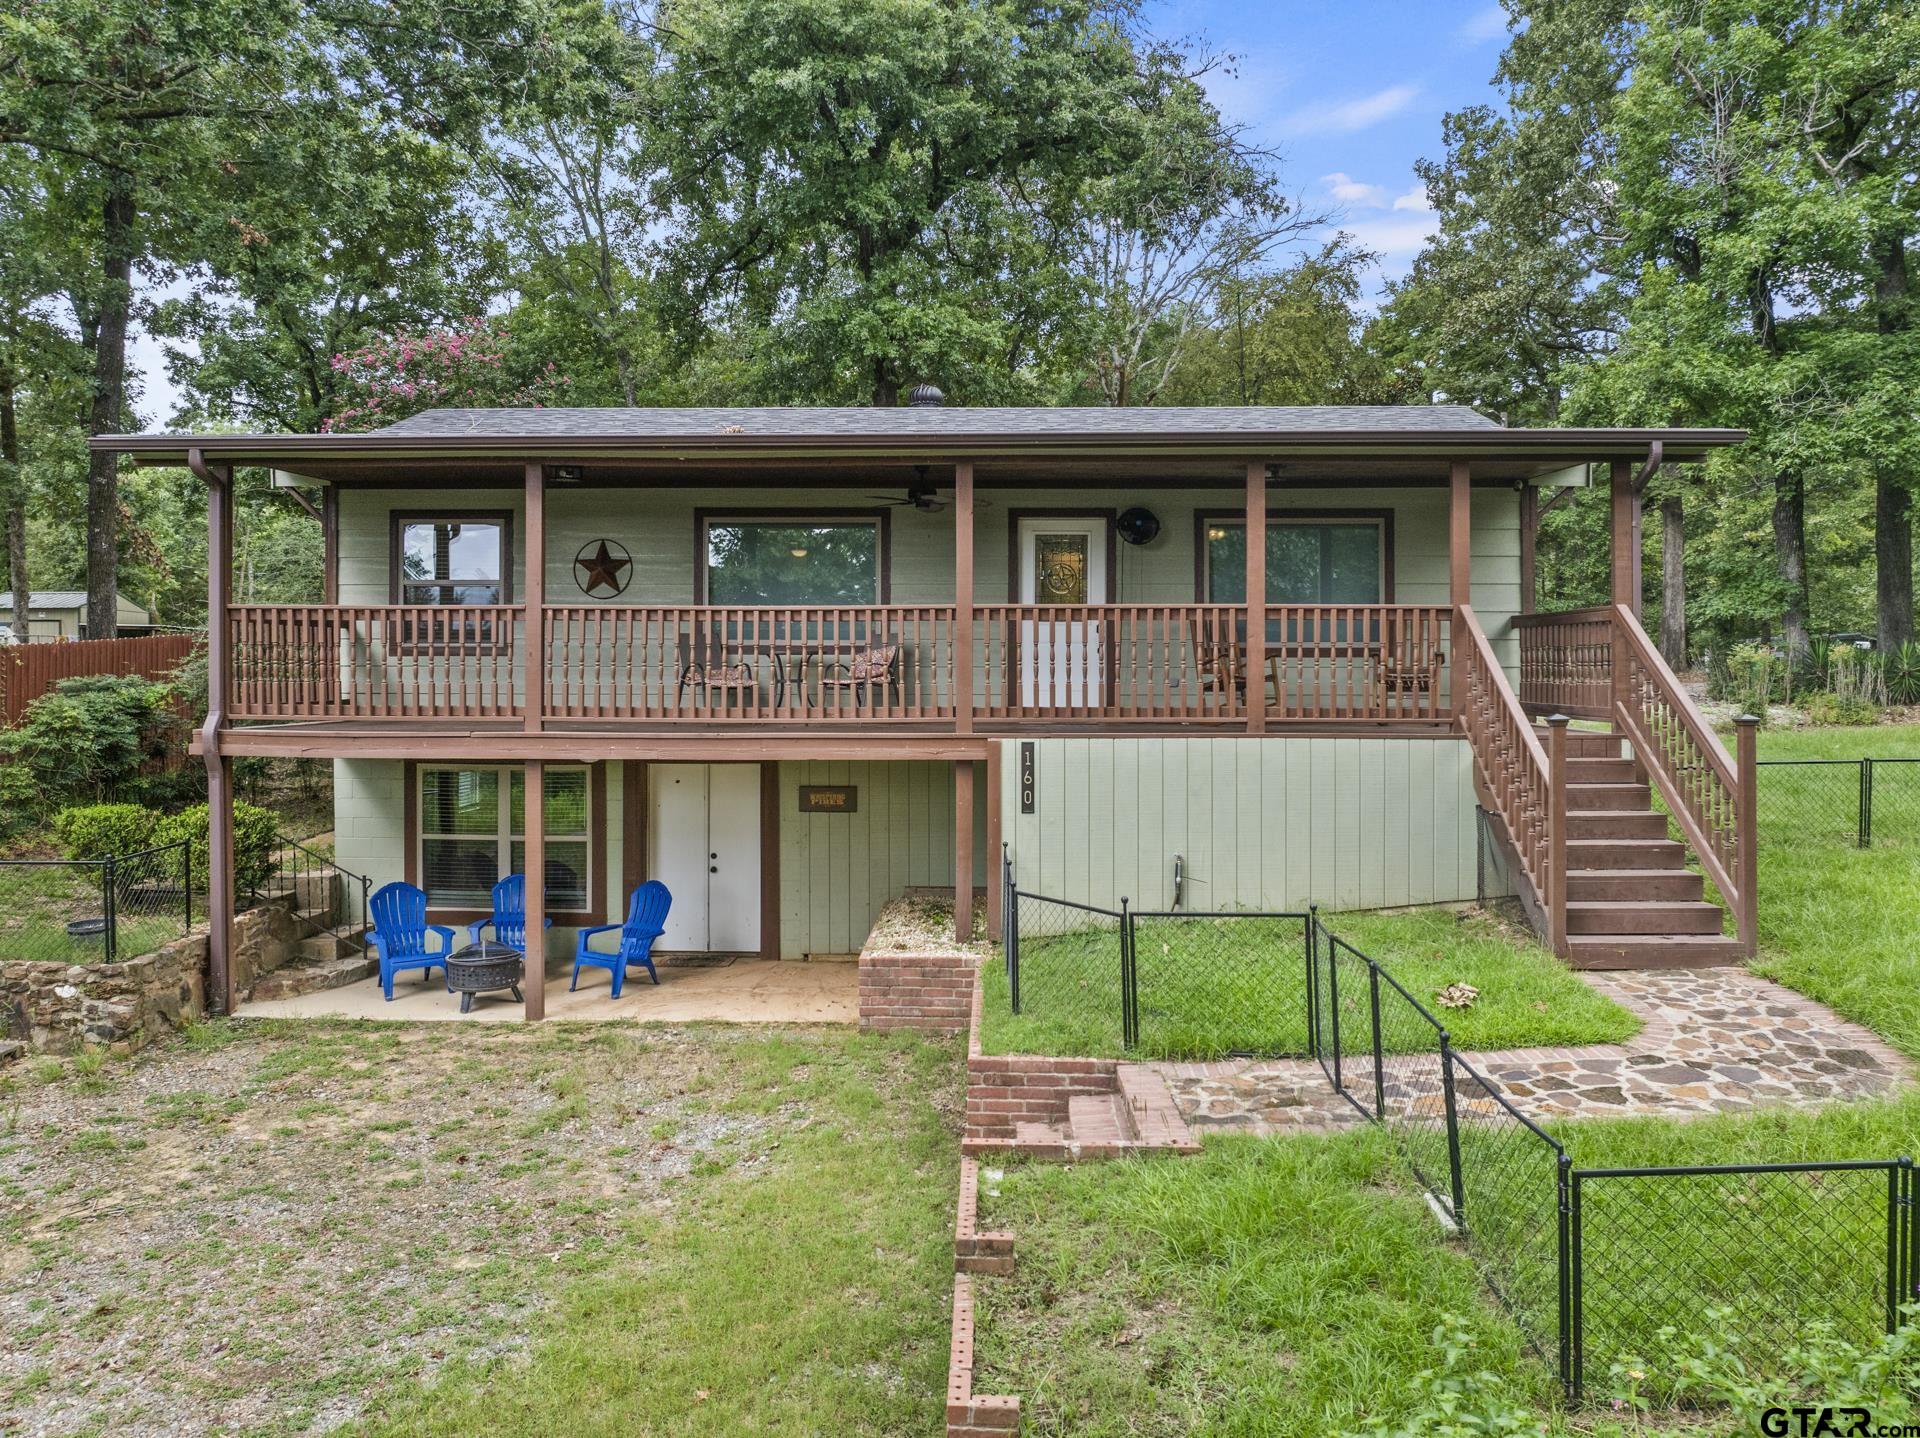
(398, 374)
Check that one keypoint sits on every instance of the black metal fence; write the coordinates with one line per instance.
(82, 911)
(1593, 1263)
(1853, 801)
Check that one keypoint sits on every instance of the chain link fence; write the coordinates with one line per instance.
(1852, 801)
(90, 911)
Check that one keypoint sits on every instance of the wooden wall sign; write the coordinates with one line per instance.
(829, 798)
(1026, 776)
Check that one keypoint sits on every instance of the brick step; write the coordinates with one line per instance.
(313, 975)
(1635, 916)
(1615, 824)
(1591, 853)
(1583, 797)
(1151, 1107)
(1100, 1120)
(1652, 951)
(1601, 883)
(1602, 771)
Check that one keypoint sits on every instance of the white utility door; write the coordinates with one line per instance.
(1062, 661)
(704, 836)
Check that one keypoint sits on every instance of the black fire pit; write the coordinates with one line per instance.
(481, 968)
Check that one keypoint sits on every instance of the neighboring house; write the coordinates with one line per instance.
(62, 614)
(794, 661)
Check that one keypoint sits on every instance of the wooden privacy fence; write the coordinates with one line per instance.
(29, 670)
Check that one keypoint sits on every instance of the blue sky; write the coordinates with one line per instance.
(1349, 95)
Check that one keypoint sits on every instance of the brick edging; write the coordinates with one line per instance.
(970, 1414)
(974, 1250)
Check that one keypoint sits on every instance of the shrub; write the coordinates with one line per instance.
(1901, 670)
(1754, 676)
(1844, 709)
(255, 832)
(94, 739)
(100, 831)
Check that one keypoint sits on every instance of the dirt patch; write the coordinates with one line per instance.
(260, 1226)
(923, 924)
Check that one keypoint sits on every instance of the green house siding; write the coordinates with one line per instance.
(1260, 823)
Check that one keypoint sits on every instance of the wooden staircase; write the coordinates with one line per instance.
(1632, 901)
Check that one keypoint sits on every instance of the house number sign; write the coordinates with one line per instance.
(829, 799)
(1026, 777)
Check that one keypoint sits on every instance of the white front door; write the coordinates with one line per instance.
(704, 836)
(1062, 562)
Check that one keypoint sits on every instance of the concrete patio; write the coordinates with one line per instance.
(743, 991)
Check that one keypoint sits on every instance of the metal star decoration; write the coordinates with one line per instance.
(604, 569)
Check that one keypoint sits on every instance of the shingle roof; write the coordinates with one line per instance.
(47, 599)
(933, 422)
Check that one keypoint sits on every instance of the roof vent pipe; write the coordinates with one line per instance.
(926, 396)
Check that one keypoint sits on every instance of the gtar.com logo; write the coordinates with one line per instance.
(1810, 1422)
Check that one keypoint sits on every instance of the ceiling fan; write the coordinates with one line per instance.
(920, 494)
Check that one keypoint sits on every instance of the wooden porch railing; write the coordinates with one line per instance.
(1512, 766)
(726, 664)
(1566, 662)
(1711, 797)
(385, 661)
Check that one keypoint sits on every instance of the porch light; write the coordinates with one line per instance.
(1216, 533)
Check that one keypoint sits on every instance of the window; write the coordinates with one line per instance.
(793, 561)
(472, 835)
(1309, 561)
(451, 559)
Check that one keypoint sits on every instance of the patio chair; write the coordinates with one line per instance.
(646, 921)
(400, 930)
(509, 917)
(862, 672)
(704, 666)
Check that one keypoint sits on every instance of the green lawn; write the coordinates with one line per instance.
(38, 901)
(1210, 987)
(1839, 923)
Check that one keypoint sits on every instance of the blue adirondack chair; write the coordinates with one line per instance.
(509, 917)
(400, 930)
(646, 921)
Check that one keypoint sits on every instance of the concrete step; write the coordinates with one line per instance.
(1590, 853)
(1626, 883)
(1602, 771)
(1615, 824)
(330, 944)
(1634, 916)
(1652, 951)
(1618, 797)
(313, 975)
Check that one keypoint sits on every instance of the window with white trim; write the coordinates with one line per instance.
(472, 834)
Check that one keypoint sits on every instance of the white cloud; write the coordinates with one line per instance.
(1351, 115)
(1349, 191)
(1393, 238)
(1414, 199)
(1484, 25)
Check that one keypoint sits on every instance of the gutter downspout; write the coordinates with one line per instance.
(220, 871)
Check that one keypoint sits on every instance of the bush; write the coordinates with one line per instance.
(1845, 709)
(100, 738)
(255, 835)
(1901, 670)
(101, 831)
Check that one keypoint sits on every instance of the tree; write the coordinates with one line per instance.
(864, 179)
(468, 366)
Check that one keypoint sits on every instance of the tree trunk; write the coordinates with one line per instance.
(107, 414)
(886, 389)
(1892, 500)
(1790, 553)
(15, 498)
(1673, 581)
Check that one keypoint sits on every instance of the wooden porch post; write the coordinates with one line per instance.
(534, 823)
(1254, 671)
(534, 596)
(1529, 553)
(963, 597)
(1625, 498)
(963, 850)
(1460, 533)
(994, 896)
(220, 885)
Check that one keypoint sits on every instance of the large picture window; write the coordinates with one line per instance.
(793, 560)
(1309, 561)
(451, 559)
(473, 834)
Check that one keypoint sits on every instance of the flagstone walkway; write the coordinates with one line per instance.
(1713, 1041)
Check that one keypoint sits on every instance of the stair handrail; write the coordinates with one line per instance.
(1513, 767)
(1709, 795)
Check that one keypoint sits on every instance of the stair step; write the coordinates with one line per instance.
(1652, 951)
(1586, 743)
(311, 976)
(1099, 1119)
(1615, 824)
(1151, 1109)
(1601, 771)
(1636, 853)
(1622, 882)
(1584, 797)
(1639, 916)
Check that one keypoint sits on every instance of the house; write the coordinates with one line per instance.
(62, 614)
(795, 661)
